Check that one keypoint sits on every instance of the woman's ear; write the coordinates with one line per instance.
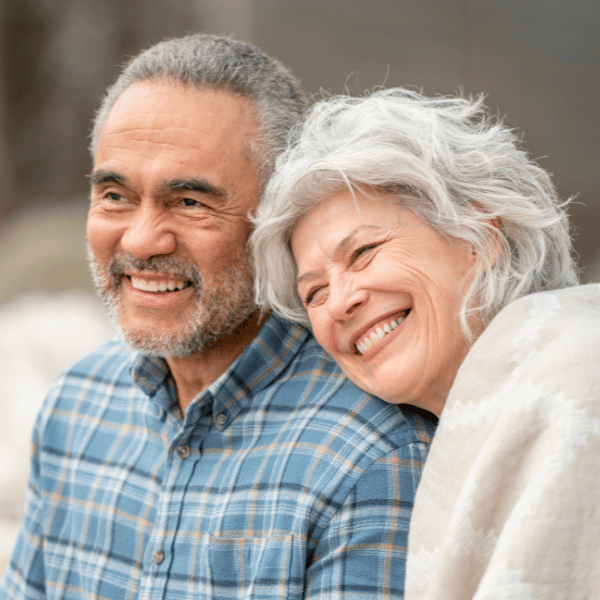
(495, 232)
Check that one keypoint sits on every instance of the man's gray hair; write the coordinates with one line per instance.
(224, 64)
(462, 171)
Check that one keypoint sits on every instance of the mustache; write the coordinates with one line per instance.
(121, 263)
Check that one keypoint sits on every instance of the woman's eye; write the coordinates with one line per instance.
(362, 250)
(312, 295)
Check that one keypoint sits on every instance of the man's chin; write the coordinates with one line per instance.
(162, 346)
(168, 342)
(152, 332)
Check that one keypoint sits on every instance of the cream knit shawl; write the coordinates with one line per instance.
(509, 504)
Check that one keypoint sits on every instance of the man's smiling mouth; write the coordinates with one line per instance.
(379, 333)
(146, 285)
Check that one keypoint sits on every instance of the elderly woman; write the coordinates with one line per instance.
(432, 259)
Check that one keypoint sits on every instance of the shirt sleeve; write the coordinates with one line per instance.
(23, 578)
(362, 554)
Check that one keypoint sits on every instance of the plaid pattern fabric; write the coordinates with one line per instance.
(283, 480)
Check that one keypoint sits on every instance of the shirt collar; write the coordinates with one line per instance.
(148, 373)
(270, 352)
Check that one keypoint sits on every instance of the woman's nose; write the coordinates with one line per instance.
(343, 301)
(148, 233)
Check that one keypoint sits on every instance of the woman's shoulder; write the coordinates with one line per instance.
(539, 329)
(546, 343)
(578, 304)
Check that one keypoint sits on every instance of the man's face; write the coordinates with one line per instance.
(172, 185)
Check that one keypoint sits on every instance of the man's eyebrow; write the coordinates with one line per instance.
(102, 176)
(201, 186)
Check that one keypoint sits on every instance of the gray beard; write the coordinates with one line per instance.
(219, 309)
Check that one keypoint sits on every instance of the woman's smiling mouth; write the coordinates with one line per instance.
(379, 332)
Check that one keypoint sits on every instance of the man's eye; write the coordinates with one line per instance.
(191, 203)
(114, 196)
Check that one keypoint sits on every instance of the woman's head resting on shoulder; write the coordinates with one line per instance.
(397, 226)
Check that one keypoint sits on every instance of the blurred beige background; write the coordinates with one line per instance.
(537, 61)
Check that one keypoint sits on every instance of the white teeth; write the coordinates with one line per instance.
(156, 286)
(363, 345)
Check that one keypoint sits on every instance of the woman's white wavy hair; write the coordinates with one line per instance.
(446, 159)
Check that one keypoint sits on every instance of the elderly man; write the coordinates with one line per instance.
(217, 452)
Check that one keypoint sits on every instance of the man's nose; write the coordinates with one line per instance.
(148, 233)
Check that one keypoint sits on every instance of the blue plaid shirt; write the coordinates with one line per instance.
(283, 480)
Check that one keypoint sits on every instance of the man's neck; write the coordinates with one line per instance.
(193, 374)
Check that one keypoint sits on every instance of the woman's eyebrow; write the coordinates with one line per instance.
(343, 244)
(307, 275)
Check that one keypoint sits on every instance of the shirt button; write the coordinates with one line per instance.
(183, 451)
(158, 556)
(221, 419)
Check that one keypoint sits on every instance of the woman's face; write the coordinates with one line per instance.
(383, 292)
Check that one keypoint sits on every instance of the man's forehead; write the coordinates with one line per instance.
(162, 137)
(176, 107)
